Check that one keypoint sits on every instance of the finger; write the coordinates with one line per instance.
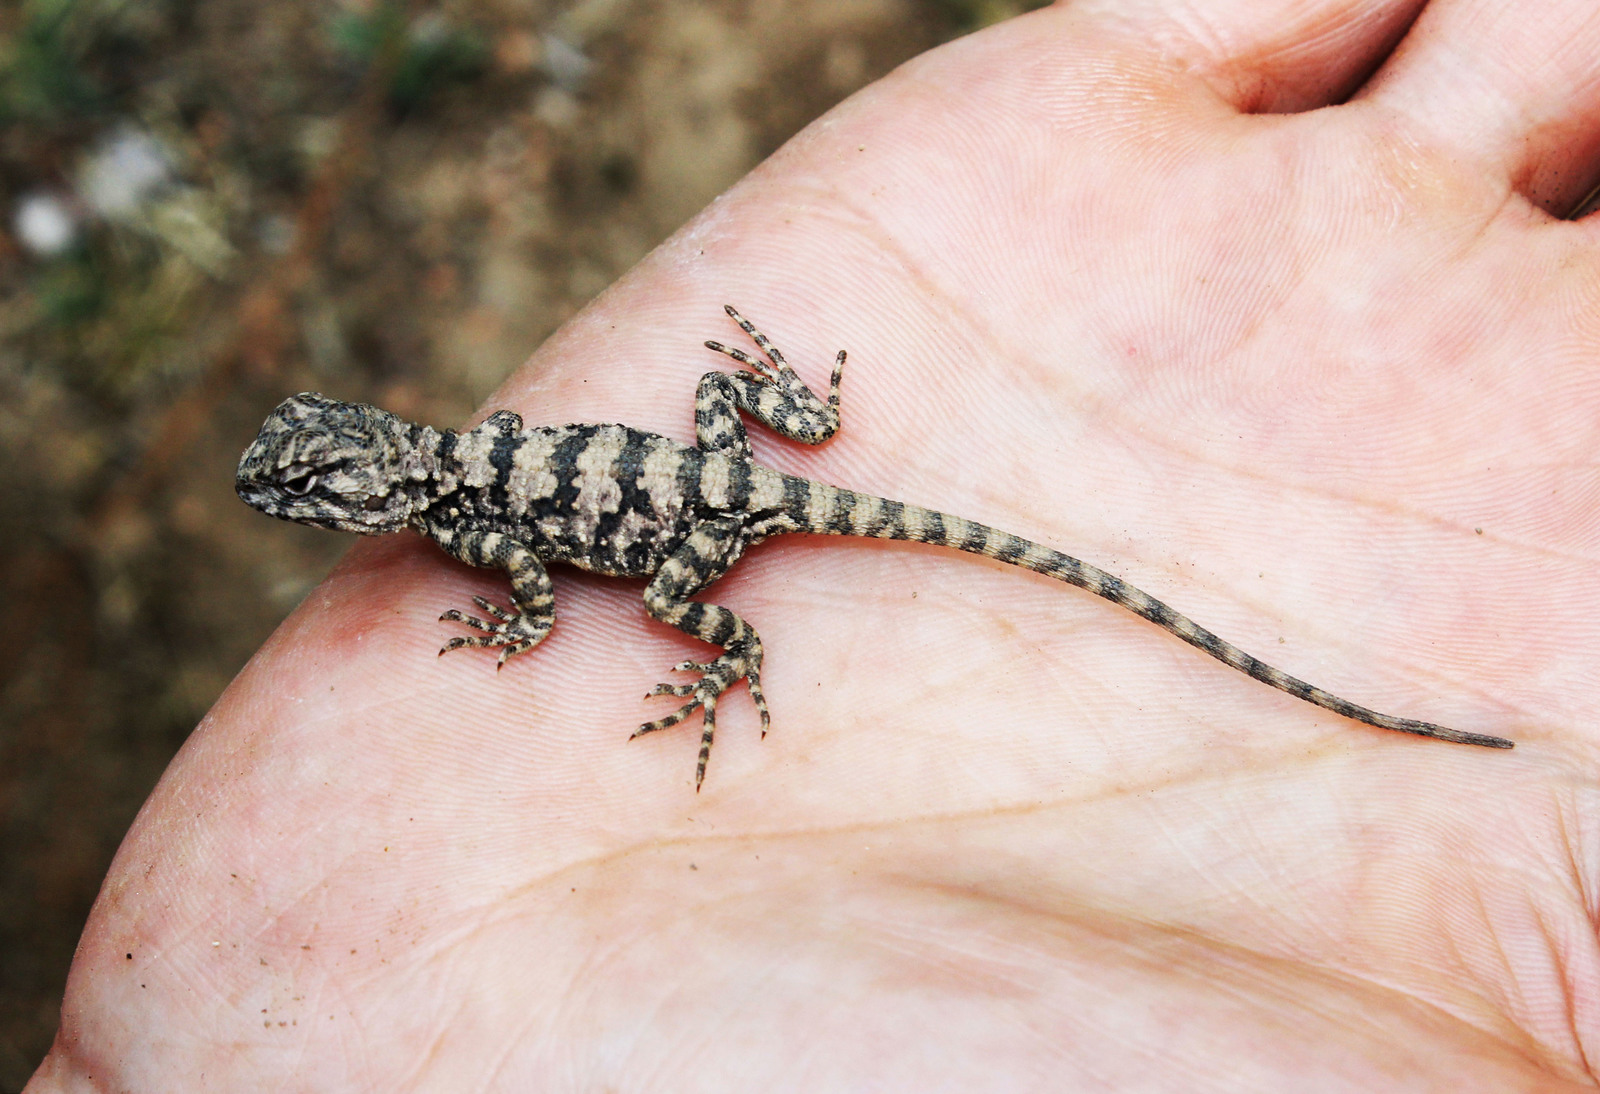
(1272, 56)
(1514, 87)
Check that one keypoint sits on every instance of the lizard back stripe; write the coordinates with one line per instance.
(565, 458)
(501, 454)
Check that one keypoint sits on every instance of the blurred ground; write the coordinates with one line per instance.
(209, 204)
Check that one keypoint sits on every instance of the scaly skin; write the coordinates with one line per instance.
(627, 503)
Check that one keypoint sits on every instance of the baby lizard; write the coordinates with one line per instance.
(627, 503)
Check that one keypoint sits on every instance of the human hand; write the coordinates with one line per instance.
(1108, 278)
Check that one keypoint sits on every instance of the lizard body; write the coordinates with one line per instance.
(627, 503)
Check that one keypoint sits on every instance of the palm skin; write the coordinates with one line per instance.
(1324, 380)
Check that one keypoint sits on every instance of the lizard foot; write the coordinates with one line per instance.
(805, 417)
(511, 631)
(716, 677)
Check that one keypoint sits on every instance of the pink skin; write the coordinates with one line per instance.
(1107, 278)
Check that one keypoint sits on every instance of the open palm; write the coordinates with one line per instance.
(1323, 379)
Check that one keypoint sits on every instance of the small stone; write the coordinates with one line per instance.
(45, 224)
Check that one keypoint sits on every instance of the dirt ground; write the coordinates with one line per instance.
(209, 205)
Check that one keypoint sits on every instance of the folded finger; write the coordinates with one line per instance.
(1270, 56)
(1513, 87)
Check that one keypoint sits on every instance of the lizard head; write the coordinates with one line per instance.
(330, 464)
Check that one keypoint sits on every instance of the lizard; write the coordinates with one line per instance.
(624, 502)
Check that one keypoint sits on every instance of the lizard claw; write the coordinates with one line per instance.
(670, 689)
(716, 678)
(510, 632)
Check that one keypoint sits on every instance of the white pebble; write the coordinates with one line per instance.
(45, 224)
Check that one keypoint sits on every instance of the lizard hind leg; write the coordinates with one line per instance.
(710, 549)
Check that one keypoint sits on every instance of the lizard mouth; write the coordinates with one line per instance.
(274, 503)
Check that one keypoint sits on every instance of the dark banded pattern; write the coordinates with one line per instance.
(832, 510)
(531, 593)
(622, 502)
(710, 550)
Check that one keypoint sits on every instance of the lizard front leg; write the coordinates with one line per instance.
(711, 548)
(531, 593)
(775, 394)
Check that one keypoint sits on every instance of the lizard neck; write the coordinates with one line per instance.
(428, 467)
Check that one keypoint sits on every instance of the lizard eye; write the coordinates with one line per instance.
(374, 503)
(300, 482)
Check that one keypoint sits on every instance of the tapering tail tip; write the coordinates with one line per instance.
(1443, 733)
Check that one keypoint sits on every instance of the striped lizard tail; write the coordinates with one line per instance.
(832, 510)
